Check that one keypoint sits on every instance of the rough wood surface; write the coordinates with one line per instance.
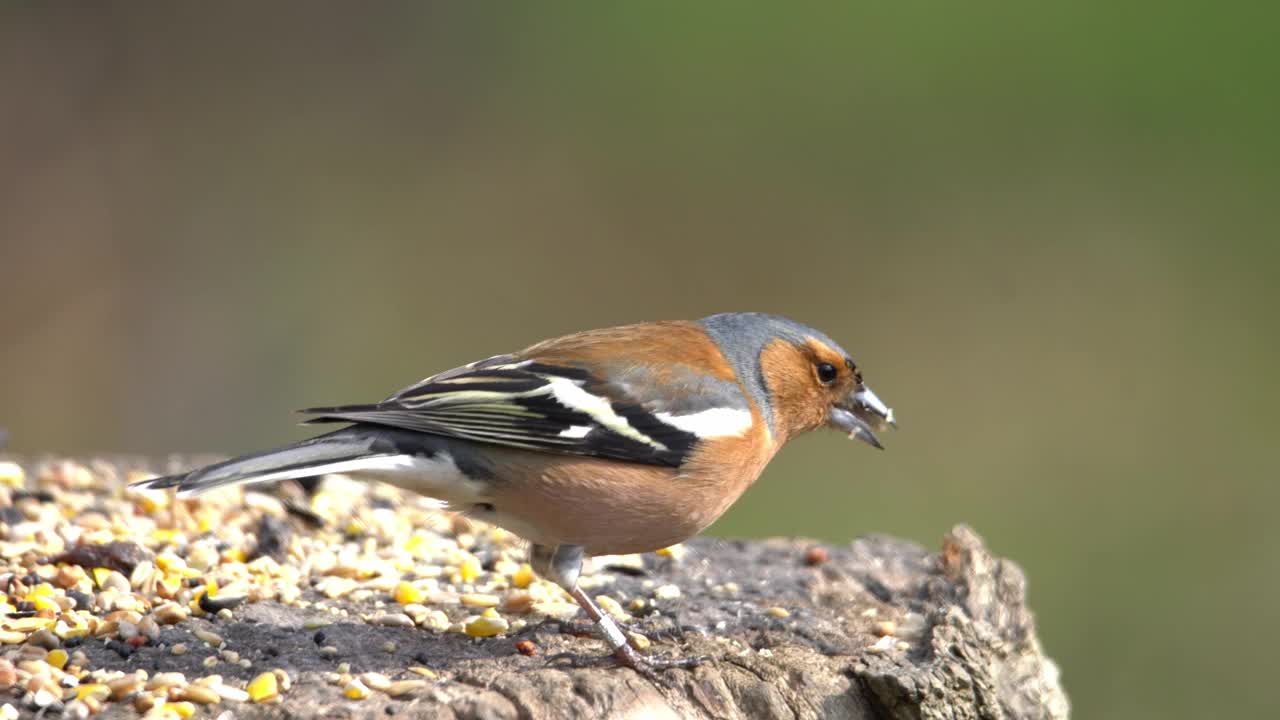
(878, 628)
(970, 645)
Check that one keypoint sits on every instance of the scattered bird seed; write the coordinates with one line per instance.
(263, 688)
(816, 555)
(142, 565)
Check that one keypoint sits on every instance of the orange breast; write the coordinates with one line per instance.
(611, 507)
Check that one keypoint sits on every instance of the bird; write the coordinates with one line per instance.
(610, 441)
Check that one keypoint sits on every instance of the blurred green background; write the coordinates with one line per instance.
(1046, 231)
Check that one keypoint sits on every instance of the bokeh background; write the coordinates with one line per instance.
(1046, 231)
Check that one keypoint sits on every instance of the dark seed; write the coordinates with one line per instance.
(273, 539)
(122, 649)
(121, 556)
(213, 605)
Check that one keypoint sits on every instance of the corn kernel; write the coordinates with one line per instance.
(263, 688)
(184, 709)
(490, 613)
(57, 658)
(100, 575)
(169, 585)
(44, 603)
(673, 551)
(356, 690)
(169, 561)
(523, 577)
(470, 569)
(11, 474)
(486, 626)
(96, 690)
(154, 502)
(417, 546)
(407, 594)
(43, 589)
(234, 555)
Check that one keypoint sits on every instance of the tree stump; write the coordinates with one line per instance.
(878, 628)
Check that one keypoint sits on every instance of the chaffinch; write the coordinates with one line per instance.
(620, 440)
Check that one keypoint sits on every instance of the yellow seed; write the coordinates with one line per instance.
(169, 585)
(101, 692)
(417, 546)
(42, 590)
(163, 536)
(100, 575)
(154, 502)
(11, 474)
(470, 569)
(490, 613)
(486, 627)
(407, 594)
(263, 688)
(184, 708)
(30, 624)
(57, 658)
(44, 603)
(169, 561)
(356, 690)
(523, 577)
(234, 555)
(779, 612)
(675, 551)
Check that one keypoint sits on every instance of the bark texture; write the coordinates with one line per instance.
(880, 628)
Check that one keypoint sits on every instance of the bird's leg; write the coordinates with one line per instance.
(562, 564)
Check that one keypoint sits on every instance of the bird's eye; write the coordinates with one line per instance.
(826, 373)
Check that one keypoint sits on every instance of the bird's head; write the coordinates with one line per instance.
(800, 378)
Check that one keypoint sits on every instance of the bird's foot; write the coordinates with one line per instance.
(584, 627)
(627, 656)
(649, 666)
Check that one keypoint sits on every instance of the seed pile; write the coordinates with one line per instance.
(87, 562)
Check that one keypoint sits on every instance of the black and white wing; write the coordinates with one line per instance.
(524, 403)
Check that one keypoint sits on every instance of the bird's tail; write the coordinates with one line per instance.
(345, 451)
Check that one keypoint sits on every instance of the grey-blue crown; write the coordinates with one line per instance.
(743, 336)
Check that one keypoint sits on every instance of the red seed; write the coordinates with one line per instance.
(137, 640)
(526, 647)
(815, 555)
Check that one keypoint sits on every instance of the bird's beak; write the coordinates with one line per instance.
(861, 414)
